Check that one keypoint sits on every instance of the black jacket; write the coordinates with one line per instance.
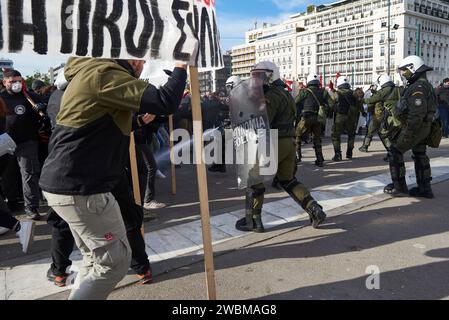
(21, 122)
(443, 96)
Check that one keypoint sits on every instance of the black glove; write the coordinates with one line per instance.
(364, 114)
(44, 124)
(39, 107)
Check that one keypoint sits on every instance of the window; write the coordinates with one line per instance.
(382, 51)
(392, 50)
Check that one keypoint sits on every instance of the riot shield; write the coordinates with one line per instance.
(251, 129)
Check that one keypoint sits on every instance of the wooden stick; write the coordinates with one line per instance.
(135, 173)
(202, 183)
(172, 156)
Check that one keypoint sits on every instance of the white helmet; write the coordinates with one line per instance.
(383, 79)
(341, 81)
(412, 63)
(61, 82)
(233, 81)
(313, 79)
(271, 70)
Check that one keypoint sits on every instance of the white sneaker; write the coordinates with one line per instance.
(160, 175)
(154, 205)
(26, 235)
(3, 230)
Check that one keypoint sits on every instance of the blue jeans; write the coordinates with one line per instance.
(444, 116)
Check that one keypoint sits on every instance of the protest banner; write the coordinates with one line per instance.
(154, 30)
(118, 29)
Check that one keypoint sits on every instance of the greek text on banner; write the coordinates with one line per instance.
(120, 29)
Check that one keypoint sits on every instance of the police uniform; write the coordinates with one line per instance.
(281, 113)
(308, 102)
(347, 108)
(415, 110)
(382, 102)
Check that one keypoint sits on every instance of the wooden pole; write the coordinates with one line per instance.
(202, 183)
(172, 156)
(135, 173)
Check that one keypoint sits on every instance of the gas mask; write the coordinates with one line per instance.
(406, 75)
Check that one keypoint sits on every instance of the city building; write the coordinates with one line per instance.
(215, 81)
(355, 39)
(243, 59)
(5, 64)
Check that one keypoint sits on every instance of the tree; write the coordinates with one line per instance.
(37, 76)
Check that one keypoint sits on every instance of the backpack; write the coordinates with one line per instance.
(344, 103)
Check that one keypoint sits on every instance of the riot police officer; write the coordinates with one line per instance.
(383, 101)
(347, 107)
(415, 110)
(281, 114)
(313, 102)
(231, 83)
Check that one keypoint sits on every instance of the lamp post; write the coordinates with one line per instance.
(388, 37)
(395, 27)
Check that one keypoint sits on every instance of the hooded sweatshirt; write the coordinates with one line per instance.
(89, 145)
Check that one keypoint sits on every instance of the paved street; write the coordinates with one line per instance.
(365, 228)
(406, 239)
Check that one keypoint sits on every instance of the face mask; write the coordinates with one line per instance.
(405, 75)
(16, 87)
(446, 85)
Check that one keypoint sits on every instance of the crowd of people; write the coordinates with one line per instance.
(71, 146)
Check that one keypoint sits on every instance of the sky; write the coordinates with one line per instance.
(235, 17)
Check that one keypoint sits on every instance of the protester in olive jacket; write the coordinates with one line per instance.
(88, 151)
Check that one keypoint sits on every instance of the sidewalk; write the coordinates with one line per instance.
(406, 239)
(180, 242)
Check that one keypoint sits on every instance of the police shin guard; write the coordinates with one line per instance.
(423, 177)
(252, 222)
(319, 157)
(397, 169)
(315, 211)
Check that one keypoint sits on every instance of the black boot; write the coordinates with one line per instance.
(423, 177)
(386, 158)
(363, 148)
(316, 214)
(397, 189)
(319, 158)
(422, 191)
(338, 156)
(349, 154)
(276, 184)
(252, 222)
(397, 170)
